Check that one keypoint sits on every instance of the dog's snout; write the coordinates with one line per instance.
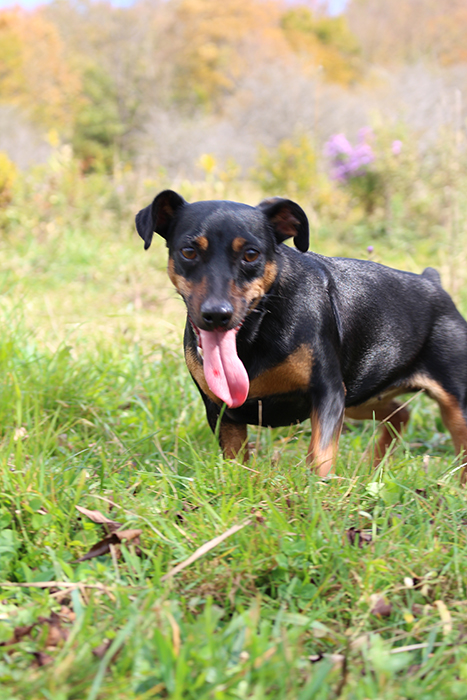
(216, 314)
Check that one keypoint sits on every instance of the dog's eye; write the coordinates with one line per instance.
(188, 253)
(250, 255)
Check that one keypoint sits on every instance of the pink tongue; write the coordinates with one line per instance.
(225, 374)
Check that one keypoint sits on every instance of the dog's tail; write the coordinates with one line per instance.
(433, 275)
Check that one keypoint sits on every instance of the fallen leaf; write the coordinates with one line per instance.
(338, 660)
(445, 616)
(258, 515)
(103, 648)
(116, 538)
(41, 658)
(56, 633)
(355, 534)
(18, 634)
(67, 614)
(97, 517)
(380, 606)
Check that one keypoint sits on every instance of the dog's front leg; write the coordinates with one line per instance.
(326, 424)
(232, 436)
(233, 439)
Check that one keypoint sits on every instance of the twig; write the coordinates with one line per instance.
(206, 547)
(54, 584)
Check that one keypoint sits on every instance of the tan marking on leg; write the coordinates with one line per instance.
(233, 440)
(293, 374)
(238, 243)
(195, 367)
(391, 412)
(322, 458)
(451, 413)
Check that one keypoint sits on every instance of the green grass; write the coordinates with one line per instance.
(97, 410)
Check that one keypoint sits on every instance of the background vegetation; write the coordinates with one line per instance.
(291, 587)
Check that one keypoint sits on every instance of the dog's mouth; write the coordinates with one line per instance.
(225, 373)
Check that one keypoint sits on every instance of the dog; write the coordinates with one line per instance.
(279, 334)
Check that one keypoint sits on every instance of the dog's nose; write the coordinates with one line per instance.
(216, 314)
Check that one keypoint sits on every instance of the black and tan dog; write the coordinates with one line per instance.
(281, 335)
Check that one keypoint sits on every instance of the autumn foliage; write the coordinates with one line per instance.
(156, 85)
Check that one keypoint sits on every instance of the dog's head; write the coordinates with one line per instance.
(222, 258)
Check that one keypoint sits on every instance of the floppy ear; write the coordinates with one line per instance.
(288, 221)
(158, 216)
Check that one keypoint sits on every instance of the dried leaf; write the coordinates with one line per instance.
(445, 616)
(338, 660)
(67, 614)
(116, 538)
(103, 648)
(97, 517)
(258, 516)
(100, 548)
(355, 534)
(18, 634)
(418, 610)
(56, 634)
(41, 658)
(380, 606)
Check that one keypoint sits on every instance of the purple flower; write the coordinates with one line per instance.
(349, 161)
(337, 146)
(370, 249)
(396, 147)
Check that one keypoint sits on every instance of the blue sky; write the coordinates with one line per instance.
(335, 5)
(28, 4)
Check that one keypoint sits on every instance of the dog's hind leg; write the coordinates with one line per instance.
(393, 416)
(453, 414)
(455, 421)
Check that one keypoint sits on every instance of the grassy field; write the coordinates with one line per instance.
(289, 586)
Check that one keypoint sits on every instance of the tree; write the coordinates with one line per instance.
(34, 73)
(97, 126)
(324, 41)
(212, 45)
(408, 31)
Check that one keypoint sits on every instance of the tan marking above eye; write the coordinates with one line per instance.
(238, 243)
(202, 242)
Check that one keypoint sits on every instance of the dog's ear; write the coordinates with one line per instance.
(158, 216)
(288, 220)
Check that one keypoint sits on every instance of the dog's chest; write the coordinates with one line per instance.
(289, 376)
